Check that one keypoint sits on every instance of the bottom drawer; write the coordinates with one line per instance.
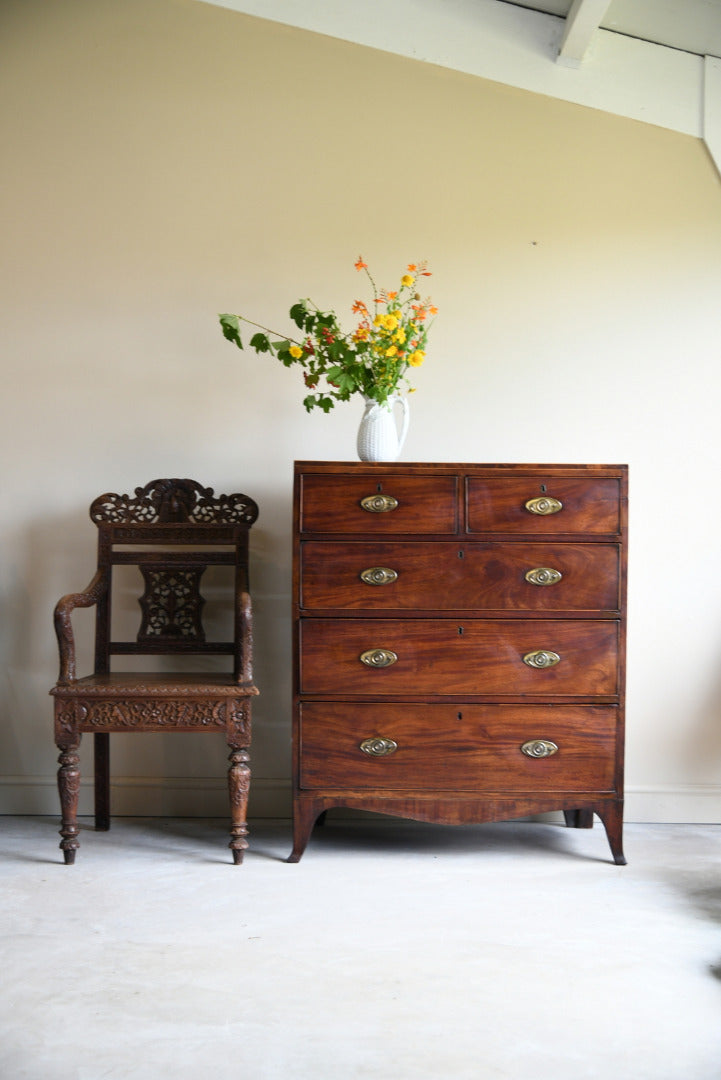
(450, 747)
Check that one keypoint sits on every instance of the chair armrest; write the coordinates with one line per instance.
(63, 625)
(244, 638)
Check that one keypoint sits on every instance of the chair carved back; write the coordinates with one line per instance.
(172, 530)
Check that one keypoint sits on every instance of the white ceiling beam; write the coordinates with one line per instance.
(712, 108)
(582, 22)
(496, 40)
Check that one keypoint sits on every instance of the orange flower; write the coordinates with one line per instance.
(360, 265)
(412, 268)
(359, 308)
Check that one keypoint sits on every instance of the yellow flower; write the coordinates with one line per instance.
(416, 358)
(391, 351)
(295, 351)
(407, 280)
(400, 335)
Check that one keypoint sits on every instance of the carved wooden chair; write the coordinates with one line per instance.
(171, 531)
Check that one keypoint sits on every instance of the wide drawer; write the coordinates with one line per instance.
(518, 504)
(361, 504)
(446, 656)
(446, 576)
(441, 747)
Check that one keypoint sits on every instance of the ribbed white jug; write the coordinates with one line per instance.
(379, 436)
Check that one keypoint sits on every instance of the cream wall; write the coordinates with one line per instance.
(165, 160)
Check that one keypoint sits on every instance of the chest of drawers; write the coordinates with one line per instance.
(459, 642)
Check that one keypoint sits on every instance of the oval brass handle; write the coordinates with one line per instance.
(539, 748)
(544, 575)
(379, 504)
(379, 575)
(541, 658)
(378, 746)
(378, 658)
(543, 505)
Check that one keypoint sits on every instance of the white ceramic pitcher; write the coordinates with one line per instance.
(380, 437)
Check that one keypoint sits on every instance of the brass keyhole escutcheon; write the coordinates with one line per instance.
(543, 505)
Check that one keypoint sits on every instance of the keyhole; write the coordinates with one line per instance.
(379, 488)
(460, 716)
(461, 554)
(460, 631)
(544, 488)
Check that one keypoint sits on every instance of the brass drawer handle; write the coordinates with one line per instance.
(379, 504)
(379, 575)
(541, 658)
(378, 746)
(544, 575)
(378, 658)
(539, 748)
(543, 505)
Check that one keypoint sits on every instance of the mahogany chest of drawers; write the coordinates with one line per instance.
(459, 642)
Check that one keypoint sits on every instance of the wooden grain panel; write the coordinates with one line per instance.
(443, 747)
(446, 656)
(497, 504)
(449, 576)
(332, 504)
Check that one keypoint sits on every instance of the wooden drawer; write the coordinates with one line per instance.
(455, 576)
(334, 504)
(445, 656)
(499, 504)
(452, 748)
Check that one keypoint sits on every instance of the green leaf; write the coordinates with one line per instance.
(261, 343)
(298, 314)
(318, 401)
(231, 329)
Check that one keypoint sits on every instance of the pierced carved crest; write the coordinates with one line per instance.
(173, 501)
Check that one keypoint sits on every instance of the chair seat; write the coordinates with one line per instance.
(145, 701)
(123, 684)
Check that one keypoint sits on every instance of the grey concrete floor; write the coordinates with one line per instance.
(391, 951)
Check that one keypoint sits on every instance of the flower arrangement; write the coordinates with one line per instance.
(371, 359)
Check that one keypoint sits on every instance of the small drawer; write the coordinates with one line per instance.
(492, 658)
(543, 507)
(444, 747)
(447, 576)
(364, 504)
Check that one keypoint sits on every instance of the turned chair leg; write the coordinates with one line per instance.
(238, 788)
(101, 742)
(69, 788)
